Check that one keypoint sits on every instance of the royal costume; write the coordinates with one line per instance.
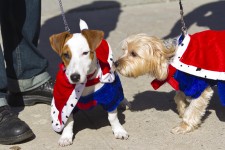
(199, 62)
(67, 97)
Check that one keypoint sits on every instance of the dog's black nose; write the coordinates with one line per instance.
(116, 63)
(75, 77)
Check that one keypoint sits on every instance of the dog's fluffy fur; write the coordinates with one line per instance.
(149, 55)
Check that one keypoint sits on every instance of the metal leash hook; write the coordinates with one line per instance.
(63, 16)
(183, 28)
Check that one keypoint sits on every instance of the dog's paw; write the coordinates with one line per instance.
(182, 128)
(120, 133)
(65, 141)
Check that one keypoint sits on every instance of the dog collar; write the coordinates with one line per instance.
(90, 75)
(93, 81)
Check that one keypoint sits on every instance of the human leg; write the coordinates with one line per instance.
(12, 129)
(26, 67)
(3, 81)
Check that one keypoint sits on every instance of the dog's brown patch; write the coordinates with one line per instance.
(66, 55)
(58, 41)
(94, 38)
(92, 55)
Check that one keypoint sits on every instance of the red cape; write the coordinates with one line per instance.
(202, 54)
(64, 92)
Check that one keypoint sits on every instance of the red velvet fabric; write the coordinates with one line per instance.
(156, 83)
(62, 90)
(206, 50)
(86, 106)
(102, 56)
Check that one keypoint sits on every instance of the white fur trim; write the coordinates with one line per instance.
(208, 74)
(67, 109)
(54, 115)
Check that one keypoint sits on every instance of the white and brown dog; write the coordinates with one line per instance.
(191, 64)
(84, 80)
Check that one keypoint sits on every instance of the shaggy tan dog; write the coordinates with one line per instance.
(149, 55)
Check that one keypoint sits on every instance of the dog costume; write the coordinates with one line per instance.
(199, 62)
(67, 97)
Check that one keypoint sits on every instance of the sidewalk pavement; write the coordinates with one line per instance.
(153, 113)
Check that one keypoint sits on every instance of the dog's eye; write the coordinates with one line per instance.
(85, 53)
(66, 55)
(133, 54)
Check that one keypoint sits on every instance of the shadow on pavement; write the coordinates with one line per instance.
(210, 15)
(163, 101)
(102, 15)
(93, 119)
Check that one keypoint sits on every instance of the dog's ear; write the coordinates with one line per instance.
(57, 41)
(83, 25)
(94, 38)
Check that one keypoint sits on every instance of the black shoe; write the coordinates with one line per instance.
(12, 129)
(42, 94)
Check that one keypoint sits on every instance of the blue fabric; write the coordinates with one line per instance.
(180, 39)
(191, 85)
(221, 91)
(109, 96)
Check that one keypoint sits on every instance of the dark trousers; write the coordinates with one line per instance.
(20, 27)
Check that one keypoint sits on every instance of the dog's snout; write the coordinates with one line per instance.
(116, 63)
(75, 77)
